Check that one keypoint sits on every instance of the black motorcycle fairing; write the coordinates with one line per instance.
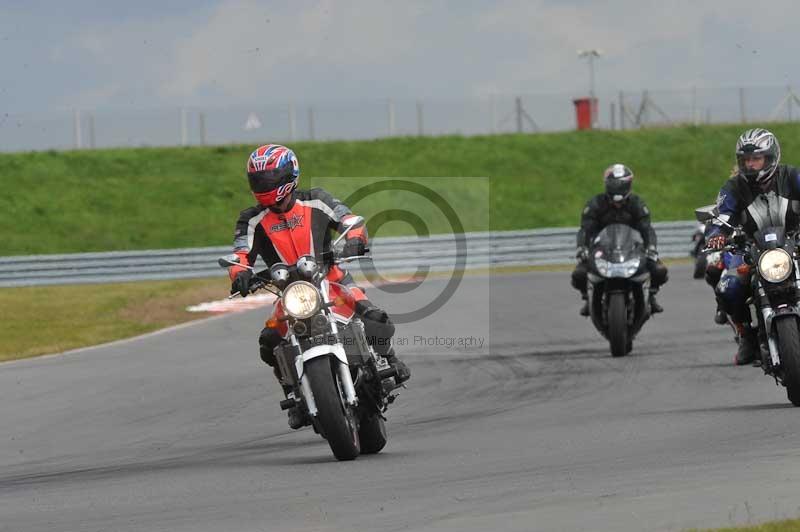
(617, 243)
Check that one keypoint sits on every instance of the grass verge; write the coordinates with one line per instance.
(52, 319)
(150, 198)
(789, 525)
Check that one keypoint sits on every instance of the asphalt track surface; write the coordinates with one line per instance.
(539, 430)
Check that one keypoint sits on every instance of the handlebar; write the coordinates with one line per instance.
(261, 283)
(731, 248)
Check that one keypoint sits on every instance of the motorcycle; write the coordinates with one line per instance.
(771, 266)
(696, 251)
(619, 286)
(342, 386)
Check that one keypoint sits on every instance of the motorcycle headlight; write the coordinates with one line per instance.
(301, 300)
(775, 265)
(602, 266)
(630, 267)
(617, 269)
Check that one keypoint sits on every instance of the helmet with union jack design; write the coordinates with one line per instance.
(272, 171)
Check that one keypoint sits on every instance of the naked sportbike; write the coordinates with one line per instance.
(771, 267)
(619, 286)
(342, 386)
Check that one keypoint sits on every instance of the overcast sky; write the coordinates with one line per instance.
(145, 54)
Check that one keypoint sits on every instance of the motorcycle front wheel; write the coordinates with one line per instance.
(789, 349)
(617, 325)
(335, 418)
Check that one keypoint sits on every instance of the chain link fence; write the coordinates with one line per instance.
(379, 118)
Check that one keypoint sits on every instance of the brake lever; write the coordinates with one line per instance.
(351, 259)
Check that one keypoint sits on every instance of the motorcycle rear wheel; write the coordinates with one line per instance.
(335, 418)
(789, 349)
(372, 434)
(617, 325)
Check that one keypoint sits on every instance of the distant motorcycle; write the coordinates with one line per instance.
(619, 286)
(338, 380)
(696, 251)
(771, 259)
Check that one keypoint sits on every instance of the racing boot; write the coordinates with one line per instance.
(749, 350)
(296, 418)
(585, 308)
(720, 318)
(403, 373)
(655, 308)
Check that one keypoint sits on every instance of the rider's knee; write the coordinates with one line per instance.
(267, 342)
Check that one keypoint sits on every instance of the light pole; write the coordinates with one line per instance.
(591, 55)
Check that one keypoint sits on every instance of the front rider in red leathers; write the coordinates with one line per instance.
(287, 224)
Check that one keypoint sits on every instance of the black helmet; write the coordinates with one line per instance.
(619, 180)
(758, 141)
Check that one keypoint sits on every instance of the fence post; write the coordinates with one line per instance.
(184, 130)
(291, 122)
(310, 122)
(789, 101)
(613, 116)
(420, 125)
(390, 116)
(694, 105)
(519, 114)
(741, 105)
(201, 118)
(76, 129)
(621, 110)
(492, 114)
(91, 131)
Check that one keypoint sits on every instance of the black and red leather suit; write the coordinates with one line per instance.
(304, 228)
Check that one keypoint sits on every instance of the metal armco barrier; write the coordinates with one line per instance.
(391, 255)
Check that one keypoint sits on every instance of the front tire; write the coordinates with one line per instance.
(789, 350)
(617, 324)
(335, 419)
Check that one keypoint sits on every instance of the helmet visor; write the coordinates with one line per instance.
(618, 189)
(268, 180)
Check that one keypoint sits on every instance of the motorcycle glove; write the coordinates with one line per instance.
(582, 253)
(354, 247)
(241, 284)
(717, 242)
(652, 254)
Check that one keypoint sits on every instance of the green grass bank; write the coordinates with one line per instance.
(74, 201)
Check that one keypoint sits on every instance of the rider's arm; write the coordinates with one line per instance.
(643, 225)
(728, 205)
(590, 223)
(794, 181)
(247, 238)
(338, 212)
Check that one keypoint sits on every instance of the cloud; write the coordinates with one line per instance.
(251, 51)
